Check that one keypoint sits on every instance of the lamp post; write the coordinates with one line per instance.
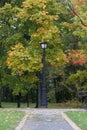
(44, 88)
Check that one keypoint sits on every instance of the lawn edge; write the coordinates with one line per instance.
(22, 122)
(73, 125)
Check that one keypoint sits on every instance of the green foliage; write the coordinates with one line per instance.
(79, 80)
(13, 2)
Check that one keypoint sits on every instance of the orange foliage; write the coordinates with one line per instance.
(79, 2)
(77, 57)
(74, 12)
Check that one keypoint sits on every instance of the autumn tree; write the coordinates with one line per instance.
(26, 24)
(78, 57)
(37, 22)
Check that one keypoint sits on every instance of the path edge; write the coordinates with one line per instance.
(22, 122)
(73, 125)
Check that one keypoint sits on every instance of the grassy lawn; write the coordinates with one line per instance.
(9, 119)
(64, 105)
(80, 118)
(69, 104)
(14, 105)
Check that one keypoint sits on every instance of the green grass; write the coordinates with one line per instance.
(69, 104)
(64, 105)
(9, 119)
(80, 118)
(14, 105)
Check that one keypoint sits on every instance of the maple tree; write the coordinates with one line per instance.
(78, 56)
(41, 18)
(22, 31)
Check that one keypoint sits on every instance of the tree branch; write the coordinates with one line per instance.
(71, 7)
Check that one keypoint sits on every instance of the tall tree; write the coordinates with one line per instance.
(37, 22)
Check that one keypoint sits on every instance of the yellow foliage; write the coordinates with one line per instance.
(41, 17)
(21, 59)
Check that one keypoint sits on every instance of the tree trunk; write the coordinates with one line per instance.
(18, 100)
(38, 92)
(56, 92)
(27, 99)
(0, 97)
(38, 97)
